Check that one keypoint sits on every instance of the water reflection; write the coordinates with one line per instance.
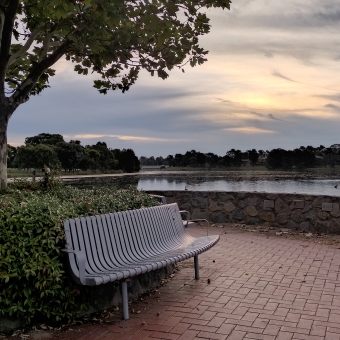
(313, 187)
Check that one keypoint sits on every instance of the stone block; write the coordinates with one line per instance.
(242, 204)
(242, 195)
(251, 211)
(334, 227)
(196, 213)
(238, 215)
(229, 207)
(198, 201)
(321, 227)
(297, 216)
(220, 218)
(323, 215)
(317, 203)
(253, 201)
(335, 208)
(214, 206)
(327, 206)
(292, 225)
(267, 216)
(282, 218)
(224, 197)
(304, 226)
(307, 207)
(311, 217)
(281, 206)
(297, 204)
(271, 197)
(253, 221)
(267, 204)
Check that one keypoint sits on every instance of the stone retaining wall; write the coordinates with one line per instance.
(293, 211)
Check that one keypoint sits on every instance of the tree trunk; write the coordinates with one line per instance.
(3, 153)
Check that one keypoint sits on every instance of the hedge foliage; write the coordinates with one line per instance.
(34, 282)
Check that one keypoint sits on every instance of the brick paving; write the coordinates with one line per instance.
(268, 288)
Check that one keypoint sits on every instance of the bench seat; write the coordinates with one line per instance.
(118, 246)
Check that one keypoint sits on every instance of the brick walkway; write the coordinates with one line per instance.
(260, 288)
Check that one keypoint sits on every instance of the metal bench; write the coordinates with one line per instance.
(118, 246)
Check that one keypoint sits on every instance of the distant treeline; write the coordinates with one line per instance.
(303, 157)
(52, 150)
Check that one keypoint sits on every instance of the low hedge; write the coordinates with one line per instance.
(34, 283)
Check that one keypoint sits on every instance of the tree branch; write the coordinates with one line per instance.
(24, 48)
(45, 47)
(21, 94)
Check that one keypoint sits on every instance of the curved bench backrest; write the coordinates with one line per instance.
(124, 238)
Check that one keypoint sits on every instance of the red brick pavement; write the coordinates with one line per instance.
(260, 288)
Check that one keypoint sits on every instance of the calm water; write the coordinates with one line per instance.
(313, 187)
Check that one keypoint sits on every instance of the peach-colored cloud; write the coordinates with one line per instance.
(126, 138)
(249, 130)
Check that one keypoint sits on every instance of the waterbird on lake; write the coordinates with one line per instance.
(336, 186)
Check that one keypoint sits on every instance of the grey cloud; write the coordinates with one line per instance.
(279, 75)
(269, 55)
(296, 15)
(333, 97)
(334, 107)
(256, 114)
(224, 100)
(271, 116)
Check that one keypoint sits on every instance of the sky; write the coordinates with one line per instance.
(272, 80)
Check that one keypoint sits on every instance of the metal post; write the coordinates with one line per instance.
(197, 271)
(123, 285)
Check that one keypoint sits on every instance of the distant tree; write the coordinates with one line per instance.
(253, 156)
(279, 159)
(143, 160)
(70, 155)
(44, 138)
(178, 159)
(30, 156)
(227, 161)
(303, 158)
(211, 159)
(11, 153)
(235, 156)
(90, 159)
(127, 160)
(25, 157)
(171, 160)
(107, 160)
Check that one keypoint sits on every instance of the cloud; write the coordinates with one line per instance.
(333, 97)
(250, 130)
(334, 107)
(224, 100)
(279, 75)
(271, 116)
(269, 55)
(125, 138)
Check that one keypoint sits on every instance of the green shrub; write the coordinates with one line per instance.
(34, 283)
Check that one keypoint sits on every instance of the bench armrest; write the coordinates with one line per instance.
(81, 257)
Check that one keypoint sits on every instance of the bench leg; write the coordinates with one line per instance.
(125, 299)
(197, 271)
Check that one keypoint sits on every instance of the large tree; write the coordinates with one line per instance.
(112, 38)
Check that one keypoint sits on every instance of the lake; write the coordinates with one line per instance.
(299, 186)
